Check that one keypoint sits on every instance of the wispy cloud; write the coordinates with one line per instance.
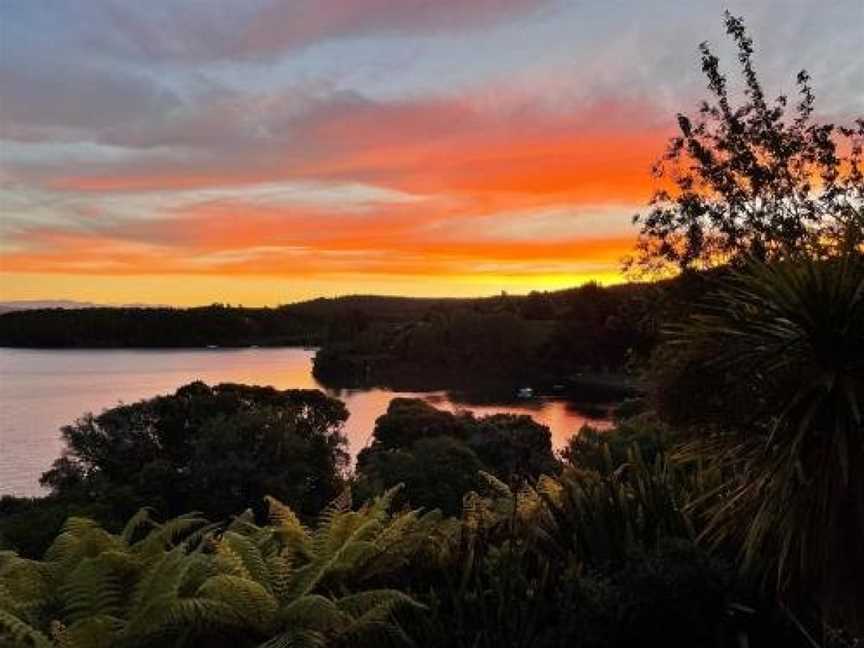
(181, 31)
(594, 152)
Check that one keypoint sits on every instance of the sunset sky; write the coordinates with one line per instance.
(261, 152)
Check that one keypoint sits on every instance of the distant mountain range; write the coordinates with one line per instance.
(36, 304)
(380, 305)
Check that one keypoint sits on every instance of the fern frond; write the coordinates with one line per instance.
(143, 518)
(355, 557)
(550, 487)
(249, 601)
(170, 533)
(91, 632)
(314, 612)
(471, 513)
(167, 613)
(380, 505)
(161, 579)
(244, 549)
(340, 504)
(297, 639)
(243, 521)
(498, 487)
(22, 633)
(25, 584)
(81, 538)
(294, 536)
(121, 563)
(79, 525)
(281, 514)
(281, 573)
(398, 528)
(380, 601)
(346, 556)
(373, 613)
(400, 539)
(91, 590)
(230, 562)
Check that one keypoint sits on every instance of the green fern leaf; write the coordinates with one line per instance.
(23, 634)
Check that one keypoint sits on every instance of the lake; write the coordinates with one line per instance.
(41, 390)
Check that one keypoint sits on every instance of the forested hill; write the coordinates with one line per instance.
(105, 327)
(311, 322)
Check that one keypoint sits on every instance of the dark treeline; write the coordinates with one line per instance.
(541, 339)
(156, 327)
(319, 320)
(586, 342)
(584, 337)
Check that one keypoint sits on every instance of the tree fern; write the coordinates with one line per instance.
(16, 633)
(185, 580)
(292, 533)
(188, 528)
(245, 558)
(314, 611)
(249, 601)
(89, 632)
(91, 590)
(142, 519)
(372, 614)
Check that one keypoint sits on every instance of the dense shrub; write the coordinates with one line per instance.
(217, 450)
(438, 454)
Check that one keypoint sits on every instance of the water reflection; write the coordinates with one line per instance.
(41, 390)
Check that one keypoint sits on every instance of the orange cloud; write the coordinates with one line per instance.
(597, 153)
(473, 173)
(429, 238)
(84, 256)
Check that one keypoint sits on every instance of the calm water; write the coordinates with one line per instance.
(43, 390)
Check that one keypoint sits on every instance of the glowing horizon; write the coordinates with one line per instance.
(280, 151)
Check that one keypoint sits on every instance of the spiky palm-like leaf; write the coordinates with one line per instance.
(787, 340)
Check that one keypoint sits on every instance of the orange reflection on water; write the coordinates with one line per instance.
(42, 390)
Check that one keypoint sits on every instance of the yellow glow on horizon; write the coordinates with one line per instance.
(196, 290)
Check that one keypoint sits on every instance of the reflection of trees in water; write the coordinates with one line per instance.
(594, 411)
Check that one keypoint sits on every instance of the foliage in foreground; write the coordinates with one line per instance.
(188, 583)
(538, 565)
(779, 349)
(583, 559)
(588, 558)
